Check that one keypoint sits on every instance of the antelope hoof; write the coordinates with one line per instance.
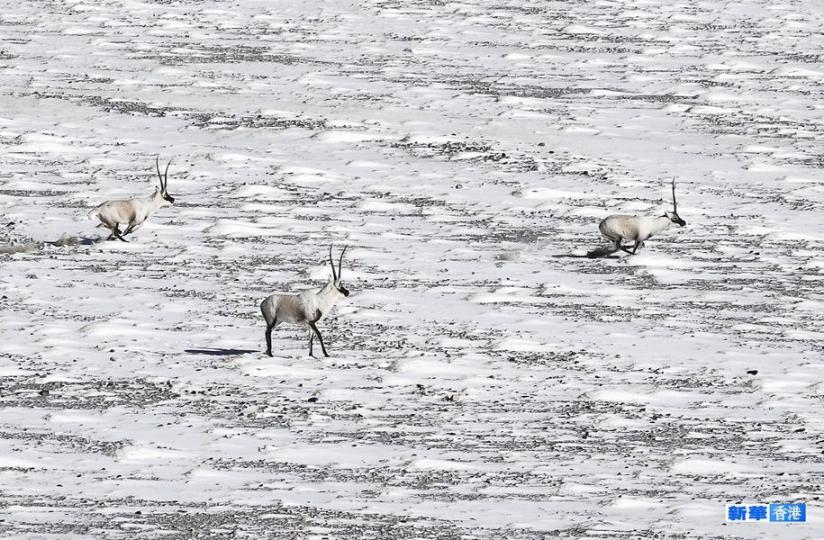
(269, 352)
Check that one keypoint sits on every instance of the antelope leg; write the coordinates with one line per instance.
(322, 347)
(130, 229)
(269, 328)
(116, 232)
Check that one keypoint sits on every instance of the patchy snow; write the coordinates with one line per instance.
(486, 379)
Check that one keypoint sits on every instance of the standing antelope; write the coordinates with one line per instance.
(133, 212)
(305, 308)
(620, 228)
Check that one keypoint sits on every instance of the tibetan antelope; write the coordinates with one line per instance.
(133, 212)
(621, 228)
(305, 308)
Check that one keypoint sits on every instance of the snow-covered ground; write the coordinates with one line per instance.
(486, 381)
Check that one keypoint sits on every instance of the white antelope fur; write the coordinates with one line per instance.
(621, 228)
(633, 228)
(305, 308)
(132, 213)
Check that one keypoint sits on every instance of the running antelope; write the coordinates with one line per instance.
(133, 212)
(305, 308)
(621, 228)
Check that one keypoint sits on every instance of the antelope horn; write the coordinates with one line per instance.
(340, 262)
(332, 263)
(166, 176)
(674, 203)
(160, 176)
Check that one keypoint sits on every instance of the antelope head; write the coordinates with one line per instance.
(335, 280)
(673, 216)
(164, 184)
